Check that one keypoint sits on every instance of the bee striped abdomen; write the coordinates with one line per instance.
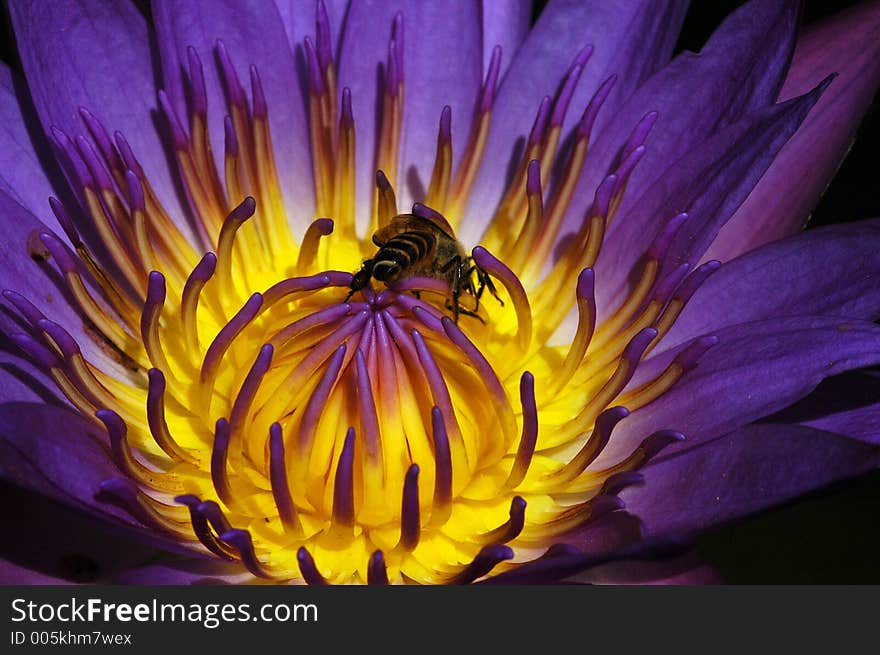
(402, 252)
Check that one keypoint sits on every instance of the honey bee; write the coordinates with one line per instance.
(422, 246)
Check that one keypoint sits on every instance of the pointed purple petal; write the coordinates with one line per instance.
(847, 44)
(687, 569)
(862, 423)
(831, 271)
(709, 184)
(739, 71)
(756, 369)
(22, 173)
(755, 467)
(56, 453)
(46, 540)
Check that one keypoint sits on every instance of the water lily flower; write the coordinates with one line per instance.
(190, 364)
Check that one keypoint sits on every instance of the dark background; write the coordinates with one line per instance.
(829, 536)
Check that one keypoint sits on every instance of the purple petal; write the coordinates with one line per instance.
(49, 543)
(203, 571)
(862, 423)
(22, 174)
(739, 71)
(252, 35)
(832, 271)
(756, 369)
(752, 468)
(22, 380)
(57, 454)
(709, 184)
(95, 54)
(687, 569)
(848, 44)
(450, 28)
(628, 39)
(13, 574)
(505, 24)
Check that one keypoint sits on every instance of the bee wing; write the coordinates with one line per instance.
(397, 225)
(407, 222)
(439, 222)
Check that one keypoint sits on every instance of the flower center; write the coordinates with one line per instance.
(310, 433)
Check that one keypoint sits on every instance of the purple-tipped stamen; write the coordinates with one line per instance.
(308, 569)
(198, 93)
(156, 419)
(588, 119)
(529, 439)
(278, 478)
(219, 457)
(410, 520)
(242, 541)
(230, 78)
(377, 573)
(178, 134)
(563, 100)
(487, 559)
(226, 336)
(202, 529)
(442, 466)
(367, 406)
(514, 525)
(318, 400)
(248, 391)
(487, 94)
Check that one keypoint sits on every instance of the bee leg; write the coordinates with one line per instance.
(486, 282)
(468, 312)
(454, 264)
(467, 282)
(360, 279)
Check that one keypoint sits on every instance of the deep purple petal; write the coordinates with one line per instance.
(95, 54)
(56, 453)
(201, 571)
(21, 379)
(832, 271)
(562, 562)
(862, 423)
(709, 184)
(630, 38)
(848, 44)
(755, 467)
(755, 370)
(48, 542)
(431, 80)
(22, 174)
(687, 569)
(505, 24)
(14, 574)
(252, 35)
(739, 71)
